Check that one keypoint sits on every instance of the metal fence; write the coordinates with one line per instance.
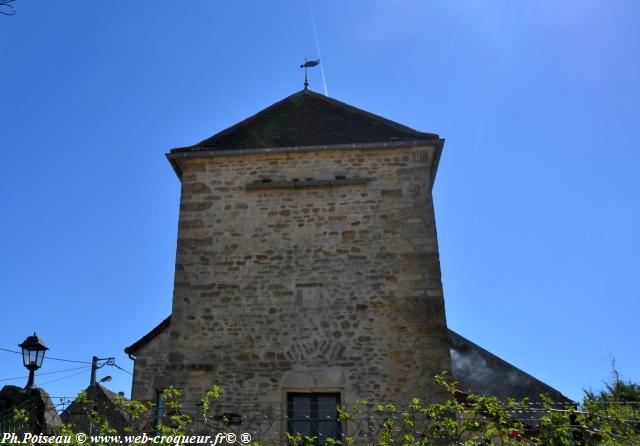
(269, 422)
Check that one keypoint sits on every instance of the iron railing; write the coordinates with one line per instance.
(269, 422)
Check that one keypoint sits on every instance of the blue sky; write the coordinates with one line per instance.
(536, 197)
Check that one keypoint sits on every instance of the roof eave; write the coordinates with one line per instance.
(436, 160)
(133, 348)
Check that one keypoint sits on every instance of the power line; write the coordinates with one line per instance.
(64, 377)
(46, 373)
(14, 379)
(68, 360)
(118, 367)
(48, 357)
(10, 351)
(65, 370)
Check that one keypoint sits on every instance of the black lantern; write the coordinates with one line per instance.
(32, 355)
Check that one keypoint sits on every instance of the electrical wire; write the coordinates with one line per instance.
(48, 357)
(67, 360)
(10, 351)
(118, 367)
(14, 379)
(65, 370)
(60, 379)
(46, 373)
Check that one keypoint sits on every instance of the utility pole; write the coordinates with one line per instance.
(94, 369)
(93, 383)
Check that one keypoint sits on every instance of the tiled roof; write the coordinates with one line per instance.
(307, 118)
(481, 372)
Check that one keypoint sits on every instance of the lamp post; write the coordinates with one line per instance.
(32, 355)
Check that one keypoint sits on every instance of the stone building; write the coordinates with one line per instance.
(307, 267)
(109, 405)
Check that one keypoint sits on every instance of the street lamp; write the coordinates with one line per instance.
(32, 355)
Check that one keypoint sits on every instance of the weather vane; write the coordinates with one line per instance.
(305, 65)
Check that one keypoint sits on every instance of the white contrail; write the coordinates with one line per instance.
(315, 33)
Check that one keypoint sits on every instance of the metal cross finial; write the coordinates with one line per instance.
(305, 65)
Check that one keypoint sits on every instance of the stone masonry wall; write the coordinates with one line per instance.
(326, 288)
(150, 368)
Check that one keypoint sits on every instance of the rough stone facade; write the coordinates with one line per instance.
(149, 374)
(307, 266)
(332, 287)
